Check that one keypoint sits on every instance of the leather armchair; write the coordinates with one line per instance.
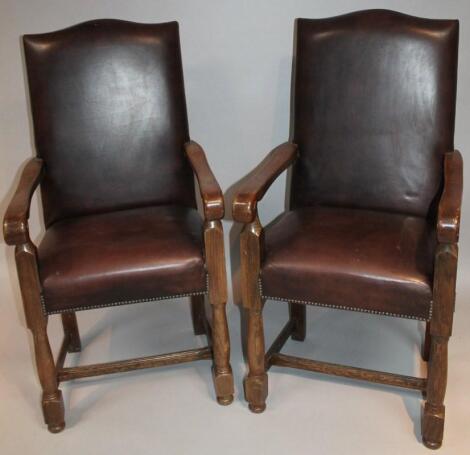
(373, 219)
(116, 170)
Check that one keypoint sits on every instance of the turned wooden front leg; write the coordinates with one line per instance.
(434, 409)
(256, 382)
(222, 371)
(215, 260)
(52, 402)
(445, 270)
(69, 323)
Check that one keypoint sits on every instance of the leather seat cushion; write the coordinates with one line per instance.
(350, 258)
(122, 257)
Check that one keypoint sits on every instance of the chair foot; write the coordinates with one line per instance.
(226, 400)
(255, 409)
(433, 426)
(256, 392)
(432, 445)
(53, 409)
(56, 428)
(223, 384)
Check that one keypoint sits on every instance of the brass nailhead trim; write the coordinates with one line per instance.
(124, 302)
(340, 307)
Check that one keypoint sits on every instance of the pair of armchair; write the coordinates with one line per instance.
(372, 223)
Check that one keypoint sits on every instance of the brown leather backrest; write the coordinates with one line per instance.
(374, 107)
(109, 116)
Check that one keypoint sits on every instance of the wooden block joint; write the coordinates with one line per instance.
(223, 383)
(433, 425)
(256, 392)
(53, 409)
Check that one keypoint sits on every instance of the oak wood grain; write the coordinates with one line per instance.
(211, 194)
(121, 366)
(15, 223)
(254, 185)
(219, 336)
(256, 382)
(448, 218)
(52, 402)
(397, 380)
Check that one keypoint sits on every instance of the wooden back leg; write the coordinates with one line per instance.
(298, 315)
(427, 342)
(69, 322)
(198, 314)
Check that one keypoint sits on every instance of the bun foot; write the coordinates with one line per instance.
(226, 400)
(257, 408)
(56, 428)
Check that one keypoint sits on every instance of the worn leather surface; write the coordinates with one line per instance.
(374, 107)
(109, 258)
(359, 259)
(109, 117)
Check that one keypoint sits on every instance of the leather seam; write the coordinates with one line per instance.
(123, 302)
(344, 307)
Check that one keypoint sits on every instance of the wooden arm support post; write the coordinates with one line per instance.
(439, 329)
(248, 192)
(16, 232)
(213, 202)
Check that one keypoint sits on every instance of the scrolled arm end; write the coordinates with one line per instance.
(448, 219)
(15, 232)
(15, 222)
(244, 208)
(211, 194)
(254, 185)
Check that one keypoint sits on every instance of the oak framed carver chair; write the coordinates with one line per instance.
(375, 195)
(116, 169)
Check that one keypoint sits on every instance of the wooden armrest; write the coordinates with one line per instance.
(448, 218)
(211, 194)
(254, 185)
(15, 222)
